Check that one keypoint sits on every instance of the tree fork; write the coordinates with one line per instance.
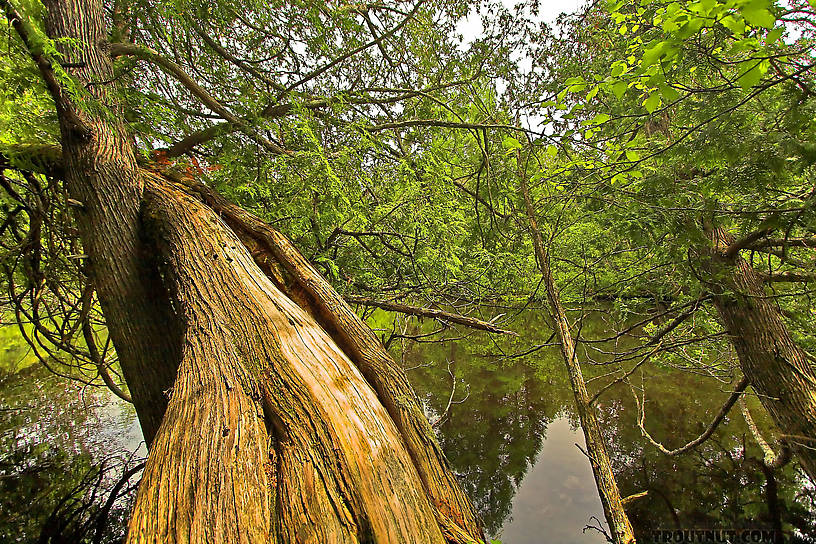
(288, 269)
(256, 367)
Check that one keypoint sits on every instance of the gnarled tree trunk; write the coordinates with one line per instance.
(297, 445)
(287, 419)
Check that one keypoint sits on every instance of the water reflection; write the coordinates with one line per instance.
(510, 434)
(562, 474)
(512, 441)
(54, 435)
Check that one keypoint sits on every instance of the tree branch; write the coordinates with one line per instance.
(809, 242)
(173, 69)
(46, 70)
(745, 243)
(735, 395)
(788, 277)
(471, 322)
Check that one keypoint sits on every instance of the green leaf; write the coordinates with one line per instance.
(756, 13)
(575, 84)
(762, 18)
(774, 35)
(670, 94)
(670, 25)
(511, 143)
(600, 118)
(752, 73)
(737, 26)
(618, 68)
(652, 102)
(619, 88)
(652, 54)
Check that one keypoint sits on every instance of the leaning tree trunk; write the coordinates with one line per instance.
(102, 177)
(776, 367)
(616, 517)
(296, 445)
(287, 419)
(281, 261)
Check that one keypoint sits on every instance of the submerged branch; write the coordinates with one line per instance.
(735, 396)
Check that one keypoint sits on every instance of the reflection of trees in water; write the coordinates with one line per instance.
(493, 438)
(53, 439)
(720, 484)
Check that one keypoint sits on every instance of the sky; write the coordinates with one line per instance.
(471, 26)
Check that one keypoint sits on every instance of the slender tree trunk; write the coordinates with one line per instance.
(616, 518)
(288, 421)
(777, 368)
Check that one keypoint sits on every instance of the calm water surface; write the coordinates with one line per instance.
(510, 434)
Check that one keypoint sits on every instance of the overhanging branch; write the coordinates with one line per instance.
(176, 71)
(459, 319)
(732, 399)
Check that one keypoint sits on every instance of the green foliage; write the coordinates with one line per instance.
(26, 111)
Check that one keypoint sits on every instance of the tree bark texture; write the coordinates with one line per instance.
(276, 255)
(298, 447)
(101, 173)
(777, 368)
(287, 421)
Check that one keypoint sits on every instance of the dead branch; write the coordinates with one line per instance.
(732, 399)
(418, 311)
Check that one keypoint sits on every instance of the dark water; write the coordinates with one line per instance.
(511, 435)
(61, 446)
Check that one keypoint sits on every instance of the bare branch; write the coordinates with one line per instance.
(173, 69)
(732, 399)
(471, 322)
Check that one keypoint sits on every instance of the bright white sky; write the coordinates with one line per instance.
(471, 26)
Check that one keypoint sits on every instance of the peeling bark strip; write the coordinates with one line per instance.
(778, 369)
